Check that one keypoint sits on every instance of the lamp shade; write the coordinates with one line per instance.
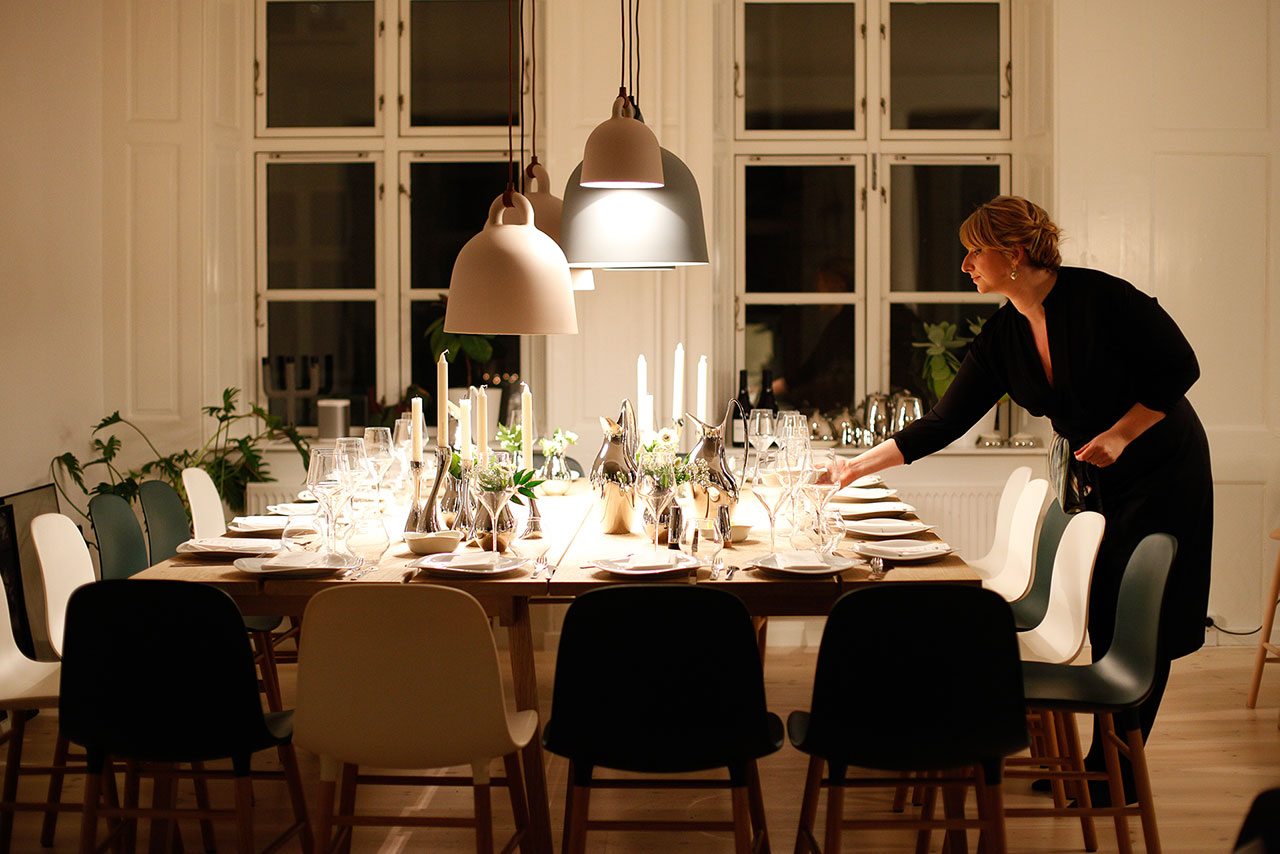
(635, 229)
(621, 153)
(511, 279)
(547, 211)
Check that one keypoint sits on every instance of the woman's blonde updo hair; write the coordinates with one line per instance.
(1007, 222)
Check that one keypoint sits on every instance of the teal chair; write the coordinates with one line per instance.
(166, 518)
(122, 550)
(1029, 611)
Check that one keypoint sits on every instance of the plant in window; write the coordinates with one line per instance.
(940, 363)
(472, 349)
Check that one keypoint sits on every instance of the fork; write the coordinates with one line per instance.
(539, 564)
(717, 564)
(878, 569)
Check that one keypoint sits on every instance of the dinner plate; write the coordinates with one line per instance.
(268, 524)
(333, 563)
(876, 508)
(903, 550)
(293, 508)
(217, 546)
(886, 527)
(865, 493)
(622, 566)
(868, 480)
(831, 565)
(438, 564)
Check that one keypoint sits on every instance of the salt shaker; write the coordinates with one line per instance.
(675, 526)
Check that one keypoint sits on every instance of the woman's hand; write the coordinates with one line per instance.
(1104, 449)
(882, 456)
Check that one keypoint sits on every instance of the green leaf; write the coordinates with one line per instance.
(113, 418)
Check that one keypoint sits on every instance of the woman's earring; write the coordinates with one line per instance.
(1013, 274)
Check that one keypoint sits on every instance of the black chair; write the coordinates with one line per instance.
(1029, 611)
(1260, 833)
(166, 519)
(122, 550)
(912, 678)
(159, 673)
(1111, 688)
(661, 679)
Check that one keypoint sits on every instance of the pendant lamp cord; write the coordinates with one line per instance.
(533, 81)
(622, 19)
(522, 67)
(507, 201)
(635, 55)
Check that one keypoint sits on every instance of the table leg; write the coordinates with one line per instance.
(520, 635)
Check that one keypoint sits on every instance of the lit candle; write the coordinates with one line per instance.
(526, 426)
(702, 389)
(442, 401)
(677, 385)
(642, 380)
(464, 429)
(415, 416)
(482, 424)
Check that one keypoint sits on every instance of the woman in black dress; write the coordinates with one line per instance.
(1110, 369)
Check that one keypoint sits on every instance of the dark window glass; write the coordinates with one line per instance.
(502, 370)
(810, 349)
(449, 206)
(944, 66)
(320, 225)
(332, 348)
(800, 60)
(800, 222)
(912, 367)
(320, 64)
(928, 205)
(459, 62)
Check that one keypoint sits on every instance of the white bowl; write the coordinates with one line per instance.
(739, 532)
(430, 544)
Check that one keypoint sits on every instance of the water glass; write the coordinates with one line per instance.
(773, 485)
(326, 476)
(379, 449)
(760, 430)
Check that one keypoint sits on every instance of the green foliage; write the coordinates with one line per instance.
(511, 437)
(496, 477)
(559, 442)
(383, 414)
(940, 363)
(525, 481)
(473, 349)
(232, 462)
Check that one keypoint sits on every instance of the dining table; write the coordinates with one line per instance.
(572, 543)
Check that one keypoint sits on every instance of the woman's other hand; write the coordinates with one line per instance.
(1104, 449)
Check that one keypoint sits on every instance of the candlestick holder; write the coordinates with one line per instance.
(425, 516)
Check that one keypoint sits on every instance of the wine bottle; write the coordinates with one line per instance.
(739, 437)
(765, 400)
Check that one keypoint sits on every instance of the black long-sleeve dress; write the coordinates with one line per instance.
(1111, 346)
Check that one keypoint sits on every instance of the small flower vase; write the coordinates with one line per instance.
(555, 474)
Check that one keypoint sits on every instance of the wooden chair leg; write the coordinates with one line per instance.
(809, 805)
(835, 817)
(130, 801)
(741, 820)
(928, 804)
(755, 803)
(484, 818)
(297, 797)
(89, 817)
(244, 816)
(565, 845)
(1115, 781)
(324, 816)
(953, 798)
(50, 823)
(576, 832)
(266, 655)
(347, 803)
(517, 792)
(1071, 740)
(1142, 782)
(1264, 640)
(994, 808)
(13, 761)
(202, 801)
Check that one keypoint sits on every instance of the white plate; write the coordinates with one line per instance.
(623, 566)
(865, 493)
(268, 524)
(229, 546)
(886, 527)
(254, 566)
(876, 508)
(295, 508)
(438, 564)
(868, 480)
(832, 564)
(903, 550)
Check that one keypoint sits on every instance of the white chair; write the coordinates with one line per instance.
(207, 518)
(432, 699)
(1061, 634)
(1013, 579)
(993, 561)
(65, 564)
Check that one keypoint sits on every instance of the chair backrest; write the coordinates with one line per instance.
(26, 602)
(1060, 636)
(433, 696)
(159, 670)
(166, 518)
(122, 551)
(207, 517)
(1135, 644)
(14, 585)
(993, 560)
(1029, 610)
(1014, 579)
(916, 677)
(658, 678)
(65, 565)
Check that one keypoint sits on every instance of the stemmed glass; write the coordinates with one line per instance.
(655, 484)
(760, 429)
(401, 438)
(824, 480)
(492, 485)
(773, 485)
(326, 473)
(378, 448)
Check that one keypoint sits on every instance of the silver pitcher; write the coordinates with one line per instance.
(613, 474)
(878, 416)
(721, 489)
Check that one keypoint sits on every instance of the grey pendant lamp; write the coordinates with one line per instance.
(511, 278)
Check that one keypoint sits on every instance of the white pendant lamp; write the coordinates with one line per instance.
(635, 229)
(622, 152)
(547, 210)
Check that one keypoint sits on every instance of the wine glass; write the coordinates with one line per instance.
(381, 453)
(655, 484)
(760, 429)
(824, 469)
(401, 438)
(358, 474)
(773, 485)
(792, 430)
(492, 485)
(325, 479)
(832, 527)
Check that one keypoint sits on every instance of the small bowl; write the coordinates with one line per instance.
(431, 544)
(738, 532)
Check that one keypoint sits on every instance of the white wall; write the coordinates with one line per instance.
(51, 225)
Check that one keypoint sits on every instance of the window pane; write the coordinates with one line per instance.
(944, 66)
(449, 206)
(340, 337)
(911, 367)
(810, 349)
(928, 203)
(320, 64)
(800, 224)
(503, 369)
(799, 66)
(459, 62)
(320, 225)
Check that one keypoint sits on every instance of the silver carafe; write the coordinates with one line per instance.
(613, 474)
(720, 488)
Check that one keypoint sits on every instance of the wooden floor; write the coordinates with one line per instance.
(1209, 756)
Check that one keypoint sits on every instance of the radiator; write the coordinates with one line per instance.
(257, 496)
(964, 516)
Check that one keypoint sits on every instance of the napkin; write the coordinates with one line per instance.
(474, 560)
(303, 560)
(296, 508)
(799, 560)
(234, 545)
(267, 523)
(662, 560)
(923, 549)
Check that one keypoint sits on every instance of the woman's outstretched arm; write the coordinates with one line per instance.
(882, 456)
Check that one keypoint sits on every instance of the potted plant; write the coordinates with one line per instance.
(555, 471)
